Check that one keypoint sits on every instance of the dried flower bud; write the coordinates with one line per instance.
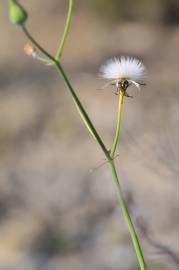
(30, 50)
(17, 13)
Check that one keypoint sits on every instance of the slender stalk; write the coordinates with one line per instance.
(82, 111)
(96, 136)
(29, 36)
(127, 217)
(76, 100)
(116, 137)
(121, 200)
(66, 31)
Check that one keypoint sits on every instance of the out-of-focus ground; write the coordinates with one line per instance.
(56, 210)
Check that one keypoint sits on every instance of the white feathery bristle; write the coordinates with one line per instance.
(128, 68)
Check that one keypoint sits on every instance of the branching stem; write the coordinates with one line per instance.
(108, 154)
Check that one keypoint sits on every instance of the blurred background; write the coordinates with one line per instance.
(58, 208)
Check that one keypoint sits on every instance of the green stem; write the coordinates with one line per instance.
(116, 137)
(127, 218)
(66, 31)
(96, 136)
(76, 100)
(37, 45)
(82, 111)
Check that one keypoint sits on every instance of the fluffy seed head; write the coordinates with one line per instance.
(128, 68)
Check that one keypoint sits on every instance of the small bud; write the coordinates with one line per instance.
(34, 53)
(30, 50)
(17, 13)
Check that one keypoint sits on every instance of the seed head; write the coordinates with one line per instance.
(125, 69)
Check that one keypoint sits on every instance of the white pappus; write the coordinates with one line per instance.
(123, 72)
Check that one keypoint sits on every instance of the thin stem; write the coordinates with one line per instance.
(29, 36)
(116, 137)
(96, 136)
(127, 218)
(76, 100)
(82, 111)
(66, 31)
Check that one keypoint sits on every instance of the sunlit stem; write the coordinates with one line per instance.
(66, 31)
(116, 137)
